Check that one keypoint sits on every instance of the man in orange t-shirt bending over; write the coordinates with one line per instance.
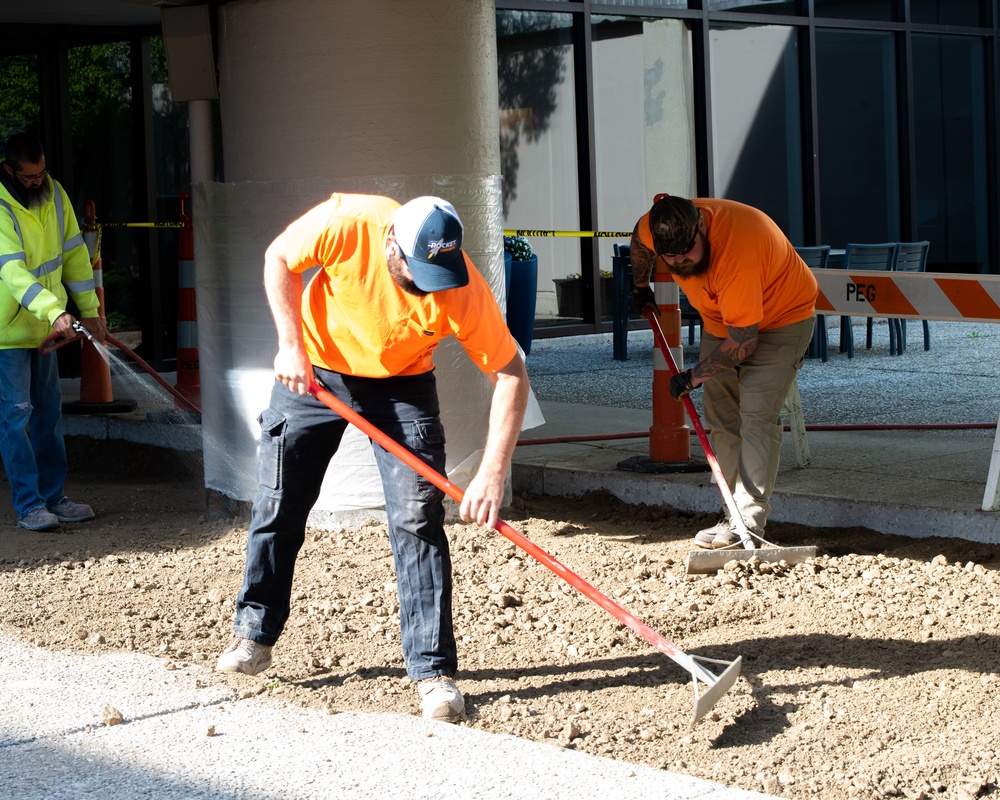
(393, 281)
(757, 299)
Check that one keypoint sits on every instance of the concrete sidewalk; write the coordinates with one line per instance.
(183, 739)
(912, 483)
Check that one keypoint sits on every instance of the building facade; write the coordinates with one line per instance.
(845, 120)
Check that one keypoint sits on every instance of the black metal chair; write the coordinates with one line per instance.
(911, 257)
(816, 257)
(621, 277)
(867, 257)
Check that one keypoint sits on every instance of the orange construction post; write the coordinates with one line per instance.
(669, 435)
(188, 375)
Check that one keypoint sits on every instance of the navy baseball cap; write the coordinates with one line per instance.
(429, 233)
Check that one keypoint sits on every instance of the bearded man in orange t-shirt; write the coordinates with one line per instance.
(757, 301)
(392, 282)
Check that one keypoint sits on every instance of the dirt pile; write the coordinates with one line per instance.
(869, 672)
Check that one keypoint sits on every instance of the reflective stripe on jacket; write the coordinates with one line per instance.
(42, 255)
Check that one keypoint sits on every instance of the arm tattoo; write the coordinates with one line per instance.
(642, 261)
(738, 346)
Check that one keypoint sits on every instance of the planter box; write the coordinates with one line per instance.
(569, 296)
(521, 300)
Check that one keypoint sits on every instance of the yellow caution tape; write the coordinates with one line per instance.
(595, 234)
(136, 225)
(100, 226)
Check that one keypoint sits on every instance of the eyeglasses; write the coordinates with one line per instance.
(32, 178)
(691, 242)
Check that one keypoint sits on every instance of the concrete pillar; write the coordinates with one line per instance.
(375, 96)
(366, 87)
(201, 141)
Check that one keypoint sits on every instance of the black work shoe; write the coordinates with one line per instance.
(68, 511)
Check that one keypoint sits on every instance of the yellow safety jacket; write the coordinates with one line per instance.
(42, 254)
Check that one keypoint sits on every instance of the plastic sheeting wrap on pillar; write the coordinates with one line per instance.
(234, 224)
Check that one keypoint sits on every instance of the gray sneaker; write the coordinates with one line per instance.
(38, 519)
(246, 656)
(68, 511)
(441, 699)
(727, 538)
(705, 538)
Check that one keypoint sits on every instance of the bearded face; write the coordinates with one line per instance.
(400, 275)
(39, 195)
(30, 184)
(693, 263)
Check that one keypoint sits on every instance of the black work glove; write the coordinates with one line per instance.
(642, 296)
(681, 385)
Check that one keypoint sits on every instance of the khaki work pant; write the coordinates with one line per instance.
(743, 409)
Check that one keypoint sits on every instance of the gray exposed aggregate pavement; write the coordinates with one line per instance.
(956, 381)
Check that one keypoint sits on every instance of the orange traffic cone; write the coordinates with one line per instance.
(96, 395)
(669, 435)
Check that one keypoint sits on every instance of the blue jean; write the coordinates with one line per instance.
(31, 434)
(299, 436)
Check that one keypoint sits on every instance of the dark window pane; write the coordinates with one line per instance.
(950, 136)
(538, 140)
(648, 3)
(858, 150)
(857, 9)
(19, 95)
(786, 7)
(756, 121)
(643, 119)
(949, 12)
(100, 102)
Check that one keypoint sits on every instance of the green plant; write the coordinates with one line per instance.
(518, 247)
(973, 335)
(575, 276)
(116, 320)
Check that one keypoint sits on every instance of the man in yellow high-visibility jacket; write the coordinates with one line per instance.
(42, 255)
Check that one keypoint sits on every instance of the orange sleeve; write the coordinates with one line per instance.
(320, 237)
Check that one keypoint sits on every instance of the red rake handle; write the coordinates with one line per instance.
(692, 413)
(513, 535)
